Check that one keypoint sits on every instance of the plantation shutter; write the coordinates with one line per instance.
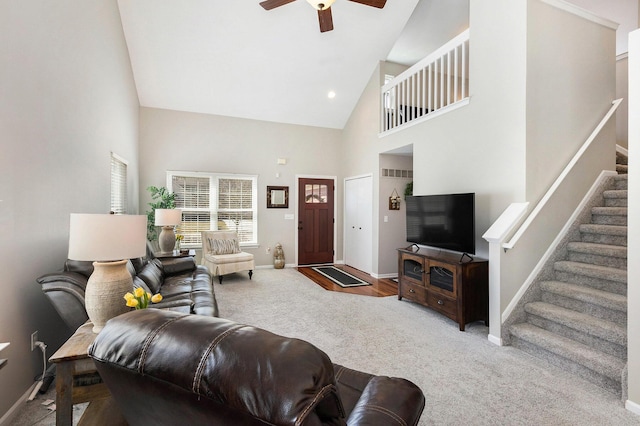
(214, 201)
(118, 185)
(192, 197)
(235, 207)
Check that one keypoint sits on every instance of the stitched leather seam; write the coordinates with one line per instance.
(147, 343)
(384, 411)
(338, 374)
(200, 369)
(324, 391)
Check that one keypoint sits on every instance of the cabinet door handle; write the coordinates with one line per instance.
(411, 290)
(440, 302)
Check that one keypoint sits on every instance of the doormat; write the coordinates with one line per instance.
(339, 277)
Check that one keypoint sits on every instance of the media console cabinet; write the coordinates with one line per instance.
(455, 287)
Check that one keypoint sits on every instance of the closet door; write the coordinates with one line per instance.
(358, 234)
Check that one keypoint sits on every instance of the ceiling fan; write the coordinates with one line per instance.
(323, 7)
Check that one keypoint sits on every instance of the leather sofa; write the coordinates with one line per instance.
(185, 287)
(168, 368)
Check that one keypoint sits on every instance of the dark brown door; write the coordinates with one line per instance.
(315, 221)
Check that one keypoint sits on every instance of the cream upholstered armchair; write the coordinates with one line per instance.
(222, 255)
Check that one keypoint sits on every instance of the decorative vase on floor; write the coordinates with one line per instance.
(278, 257)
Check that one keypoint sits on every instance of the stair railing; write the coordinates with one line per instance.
(435, 84)
(516, 262)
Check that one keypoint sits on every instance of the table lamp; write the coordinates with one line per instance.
(167, 218)
(109, 241)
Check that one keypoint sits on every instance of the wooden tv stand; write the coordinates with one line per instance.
(455, 287)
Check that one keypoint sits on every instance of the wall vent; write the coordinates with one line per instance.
(397, 173)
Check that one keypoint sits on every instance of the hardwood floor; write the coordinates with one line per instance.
(378, 288)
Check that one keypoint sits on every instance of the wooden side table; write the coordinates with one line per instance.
(77, 381)
(175, 253)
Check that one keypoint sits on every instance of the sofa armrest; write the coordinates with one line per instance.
(66, 290)
(178, 265)
(388, 401)
(73, 278)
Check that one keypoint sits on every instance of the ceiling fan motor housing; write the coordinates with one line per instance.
(321, 5)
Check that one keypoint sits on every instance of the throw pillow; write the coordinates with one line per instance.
(224, 246)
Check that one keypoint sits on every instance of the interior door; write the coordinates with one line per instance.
(315, 221)
(358, 217)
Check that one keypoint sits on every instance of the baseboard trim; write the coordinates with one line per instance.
(383, 276)
(10, 415)
(495, 340)
(632, 406)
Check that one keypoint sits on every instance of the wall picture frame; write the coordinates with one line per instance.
(277, 197)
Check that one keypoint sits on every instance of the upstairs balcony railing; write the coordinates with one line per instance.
(428, 88)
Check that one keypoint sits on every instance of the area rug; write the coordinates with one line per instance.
(339, 276)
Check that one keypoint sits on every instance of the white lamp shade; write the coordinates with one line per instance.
(168, 217)
(107, 237)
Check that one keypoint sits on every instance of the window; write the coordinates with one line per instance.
(118, 185)
(212, 201)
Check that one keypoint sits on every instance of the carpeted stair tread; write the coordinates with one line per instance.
(615, 193)
(622, 168)
(599, 249)
(586, 294)
(621, 181)
(584, 323)
(616, 230)
(610, 211)
(597, 361)
(590, 270)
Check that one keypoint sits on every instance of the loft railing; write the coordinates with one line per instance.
(434, 84)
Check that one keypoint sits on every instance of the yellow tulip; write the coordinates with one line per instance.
(139, 292)
(128, 296)
(156, 298)
(132, 303)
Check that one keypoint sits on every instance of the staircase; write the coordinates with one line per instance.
(577, 318)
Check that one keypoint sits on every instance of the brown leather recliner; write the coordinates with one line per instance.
(168, 368)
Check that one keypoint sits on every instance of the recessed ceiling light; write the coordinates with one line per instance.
(331, 94)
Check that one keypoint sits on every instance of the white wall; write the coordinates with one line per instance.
(452, 158)
(570, 86)
(173, 140)
(633, 270)
(622, 91)
(67, 99)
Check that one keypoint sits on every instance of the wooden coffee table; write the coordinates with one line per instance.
(77, 381)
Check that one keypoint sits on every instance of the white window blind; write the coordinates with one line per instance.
(118, 185)
(211, 201)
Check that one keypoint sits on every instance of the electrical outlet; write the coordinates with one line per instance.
(34, 339)
(268, 250)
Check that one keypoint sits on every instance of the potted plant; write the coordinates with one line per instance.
(162, 199)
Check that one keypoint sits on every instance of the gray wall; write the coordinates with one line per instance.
(67, 100)
(183, 141)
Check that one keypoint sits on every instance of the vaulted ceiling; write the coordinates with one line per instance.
(236, 59)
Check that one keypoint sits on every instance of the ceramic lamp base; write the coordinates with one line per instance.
(167, 239)
(104, 294)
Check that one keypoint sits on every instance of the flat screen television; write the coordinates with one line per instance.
(442, 221)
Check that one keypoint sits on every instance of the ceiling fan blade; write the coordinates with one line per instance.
(272, 4)
(374, 3)
(326, 20)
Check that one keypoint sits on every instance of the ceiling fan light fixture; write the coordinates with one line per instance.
(321, 4)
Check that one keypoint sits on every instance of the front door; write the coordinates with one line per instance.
(315, 221)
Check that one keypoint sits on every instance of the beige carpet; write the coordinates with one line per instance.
(466, 379)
